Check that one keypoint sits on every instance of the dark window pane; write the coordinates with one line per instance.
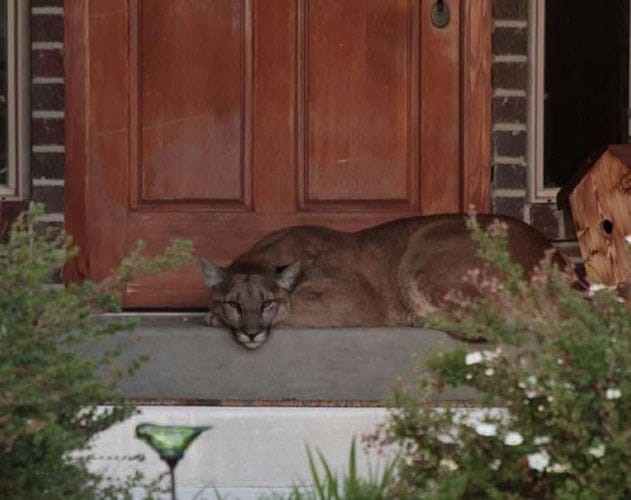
(3, 94)
(586, 82)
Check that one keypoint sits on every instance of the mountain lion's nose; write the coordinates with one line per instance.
(251, 328)
(252, 331)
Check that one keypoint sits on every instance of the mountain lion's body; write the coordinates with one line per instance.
(309, 276)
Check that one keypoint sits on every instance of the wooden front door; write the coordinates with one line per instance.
(219, 121)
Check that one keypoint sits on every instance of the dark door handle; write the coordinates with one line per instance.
(440, 14)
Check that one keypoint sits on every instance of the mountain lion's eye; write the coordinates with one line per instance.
(233, 305)
(266, 304)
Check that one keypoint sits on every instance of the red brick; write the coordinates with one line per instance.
(47, 28)
(510, 76)
(51, 196)
(48, 96)
(49, 165)
(510, 109)
(510, 9)
(509, 177)
(47, 131)
(510, 143)
(513, 207)
(510, 41)
(47, 63)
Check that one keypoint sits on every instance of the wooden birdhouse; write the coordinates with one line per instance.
(600, 199)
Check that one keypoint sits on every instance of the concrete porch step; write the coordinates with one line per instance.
(190, 363)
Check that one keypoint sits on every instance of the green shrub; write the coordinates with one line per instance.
(49, 395)
(555, 386)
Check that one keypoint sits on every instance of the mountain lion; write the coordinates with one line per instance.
(310, 276)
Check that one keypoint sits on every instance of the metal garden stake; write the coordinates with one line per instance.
(170, 441)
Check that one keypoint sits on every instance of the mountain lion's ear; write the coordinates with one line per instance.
(213, 275)
(286, 278)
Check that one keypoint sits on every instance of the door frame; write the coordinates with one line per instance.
(475, 122)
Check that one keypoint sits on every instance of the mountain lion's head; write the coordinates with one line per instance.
(249, 300)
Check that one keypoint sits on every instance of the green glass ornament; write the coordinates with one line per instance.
(170, 441)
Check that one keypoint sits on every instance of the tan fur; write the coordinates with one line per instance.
(385, 275)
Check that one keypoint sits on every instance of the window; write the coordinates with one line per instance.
(580, 85)
(14, 99)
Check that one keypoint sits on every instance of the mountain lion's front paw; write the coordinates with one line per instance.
(211, 320)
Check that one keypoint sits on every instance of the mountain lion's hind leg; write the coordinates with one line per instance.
(433, 268)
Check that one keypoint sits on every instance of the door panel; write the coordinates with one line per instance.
(190, 100)
(359, 103)
(220, 121)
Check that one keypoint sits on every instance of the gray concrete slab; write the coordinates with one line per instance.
(192, 363)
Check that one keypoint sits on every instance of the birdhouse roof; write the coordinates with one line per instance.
(622, 151)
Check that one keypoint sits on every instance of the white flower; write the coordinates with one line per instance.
(613, 393)
(559, 468)
(446, 438)
(489, 372)
(486, 429)
(539, 440)
(495, 464)
(597, 451)
(531, 393)
(468, 376)
(492, 355)
(513, 438)
(538, 461)
(532, 380)
(473, 357)
(627, 238)
(448, 463)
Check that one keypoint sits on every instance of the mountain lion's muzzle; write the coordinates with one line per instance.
(251, 340)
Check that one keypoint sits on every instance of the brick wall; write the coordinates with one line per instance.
(511, 162)
(47, 100)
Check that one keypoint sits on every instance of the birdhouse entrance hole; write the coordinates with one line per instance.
(607, 226)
